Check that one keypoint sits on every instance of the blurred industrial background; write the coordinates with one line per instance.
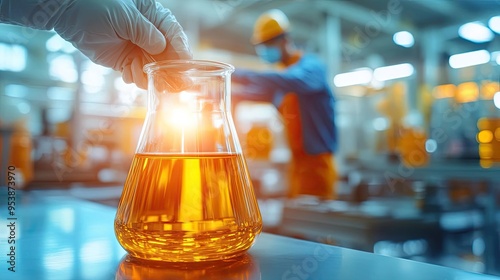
(418, 120)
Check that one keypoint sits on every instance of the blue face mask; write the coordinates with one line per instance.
(268, 54)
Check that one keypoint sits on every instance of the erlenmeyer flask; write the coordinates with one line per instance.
(188, 196)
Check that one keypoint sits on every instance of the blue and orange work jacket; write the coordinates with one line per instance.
(306, 102)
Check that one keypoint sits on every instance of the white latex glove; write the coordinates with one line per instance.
(112, 33)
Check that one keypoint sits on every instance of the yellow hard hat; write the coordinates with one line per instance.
(269, 25)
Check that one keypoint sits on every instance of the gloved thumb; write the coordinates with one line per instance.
(144, 34)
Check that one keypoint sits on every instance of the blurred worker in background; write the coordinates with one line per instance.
(301, 93)
(112, 33)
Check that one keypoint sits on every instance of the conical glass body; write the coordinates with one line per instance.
(188, 195)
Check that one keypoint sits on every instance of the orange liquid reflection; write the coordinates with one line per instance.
(241, 268)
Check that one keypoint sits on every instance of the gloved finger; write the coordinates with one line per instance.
(178, 45)
(138, 75)
(133, 73)
(177, 42)
(127, 74)
(141, 32)
(171, 52)
(172, 79)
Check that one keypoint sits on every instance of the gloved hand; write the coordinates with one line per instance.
(112, 33)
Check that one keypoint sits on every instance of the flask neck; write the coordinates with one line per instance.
(195, 120)
(200, 94)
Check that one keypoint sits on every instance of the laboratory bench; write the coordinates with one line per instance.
(58, 236)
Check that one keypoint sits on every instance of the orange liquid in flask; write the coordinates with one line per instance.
(187, 208)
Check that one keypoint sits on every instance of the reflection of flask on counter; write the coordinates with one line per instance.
(244, 267)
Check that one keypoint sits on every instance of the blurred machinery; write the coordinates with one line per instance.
(16, 143)
(488, 138)
(263, 142)
(459, 115)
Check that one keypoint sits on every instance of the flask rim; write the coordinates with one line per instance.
(189, 65)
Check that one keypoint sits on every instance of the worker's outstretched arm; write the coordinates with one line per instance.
(306, 77)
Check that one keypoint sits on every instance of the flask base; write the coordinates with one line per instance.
(180, 246)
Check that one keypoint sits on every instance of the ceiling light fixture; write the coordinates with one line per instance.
(393, 72)
(404, 39)
(475, 32)
(496, 100)
(494, 24)
(357, 77)
(467, 59)
(495, 57)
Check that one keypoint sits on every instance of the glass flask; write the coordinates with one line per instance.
(188, 195)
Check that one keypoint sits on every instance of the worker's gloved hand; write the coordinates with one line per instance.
(112, 33)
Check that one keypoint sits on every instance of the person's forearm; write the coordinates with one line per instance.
(39, 14)
(291, 80)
